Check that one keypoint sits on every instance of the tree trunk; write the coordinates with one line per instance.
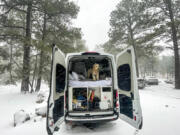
(175, 44)
(133, 43)
(10, 66)
(26, 57)
(34, 73)
(136, 59)
(38, 86)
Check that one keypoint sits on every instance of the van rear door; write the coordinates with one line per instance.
(130, 109)
(55, 110)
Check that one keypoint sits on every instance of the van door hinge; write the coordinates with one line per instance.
(129, 51)
(132, 96)
(50, 105)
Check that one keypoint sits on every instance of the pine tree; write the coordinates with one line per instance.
(168, 4)
(166, 28)
(56, 18)
(11, 9)
(128, 27)
(33, 26)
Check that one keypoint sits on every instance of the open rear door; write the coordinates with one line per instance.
(130, 109)
(55, 110)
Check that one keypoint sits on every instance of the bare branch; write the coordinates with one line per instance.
(13, 7)
(20, 68)
(11, 26)
(9, 36)
(1, 5)
(35, 55)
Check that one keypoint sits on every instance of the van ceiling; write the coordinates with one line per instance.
(89, 57)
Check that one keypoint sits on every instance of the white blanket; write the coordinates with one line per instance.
(99, 83)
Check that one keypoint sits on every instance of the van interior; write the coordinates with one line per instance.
(86, 94)
(81, 65)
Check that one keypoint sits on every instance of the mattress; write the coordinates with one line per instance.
(100, 83)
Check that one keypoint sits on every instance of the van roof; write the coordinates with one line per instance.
(95, 53)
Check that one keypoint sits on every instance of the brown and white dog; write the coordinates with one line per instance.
(94, 71)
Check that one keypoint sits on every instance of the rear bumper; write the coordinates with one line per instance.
(91, 119)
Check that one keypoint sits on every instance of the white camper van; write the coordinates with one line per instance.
(77, 97)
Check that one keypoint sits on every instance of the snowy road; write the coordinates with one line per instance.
(160, 106)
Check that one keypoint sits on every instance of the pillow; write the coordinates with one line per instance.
(71, 77)
(81, 77)
(75, 76)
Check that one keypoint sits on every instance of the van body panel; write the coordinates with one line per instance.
(55, 111)
(130, 109)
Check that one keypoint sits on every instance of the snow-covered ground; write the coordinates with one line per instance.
(160, 106)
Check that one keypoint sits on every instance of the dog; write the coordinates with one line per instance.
(94, 71)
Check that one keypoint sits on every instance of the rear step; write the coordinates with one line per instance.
(90, 113)
(97, 110)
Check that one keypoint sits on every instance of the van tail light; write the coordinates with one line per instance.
(117, 99)
(51, 122)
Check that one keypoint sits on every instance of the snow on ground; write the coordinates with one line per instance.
(161, 109)
(11, 101)
(160, 106)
